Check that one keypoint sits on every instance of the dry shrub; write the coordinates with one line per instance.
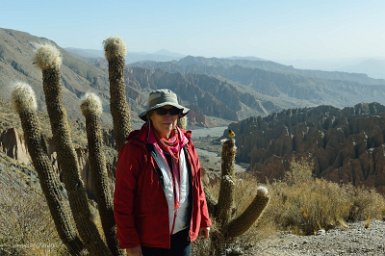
(26, 227)
(304, 204)
(367, 204)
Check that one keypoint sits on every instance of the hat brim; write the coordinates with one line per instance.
(185, 110)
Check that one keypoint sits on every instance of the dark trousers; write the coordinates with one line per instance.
(180, 246)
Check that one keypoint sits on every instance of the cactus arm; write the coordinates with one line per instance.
(23, 96)
(243, 222)
(66, 153)
(92, 109)
(115, 52)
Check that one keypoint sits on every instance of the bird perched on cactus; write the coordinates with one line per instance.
(231, 134)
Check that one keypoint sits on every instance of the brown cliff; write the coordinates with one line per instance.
(13, 145)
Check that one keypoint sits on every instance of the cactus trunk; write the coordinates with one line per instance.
(115, 52)
(227, 228)
(226, 194)
(49, 180)
(69, 165)
(99, 173)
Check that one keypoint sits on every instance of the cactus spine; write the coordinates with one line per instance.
(115, 51)
(25, 104)
(92, 109)
(228, 228)
(49, 60)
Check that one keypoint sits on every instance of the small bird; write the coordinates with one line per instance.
(231, 134)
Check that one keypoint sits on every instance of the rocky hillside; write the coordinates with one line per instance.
(16, 64)
(204, 94)
(345, 145)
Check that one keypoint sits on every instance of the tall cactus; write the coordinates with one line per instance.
(25, 104)
(49, 60)
(90, 242)
(92, 110)
(115, 51)
(228, 228)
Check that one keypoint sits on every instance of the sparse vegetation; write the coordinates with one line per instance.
(26, 227)
(300, 204)
(304, 204)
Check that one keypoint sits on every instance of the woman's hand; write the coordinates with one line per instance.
(204, 232)
(134, 251)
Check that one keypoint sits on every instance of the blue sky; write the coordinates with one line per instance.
(274, 30)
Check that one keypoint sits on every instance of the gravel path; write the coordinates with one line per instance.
(353, 241)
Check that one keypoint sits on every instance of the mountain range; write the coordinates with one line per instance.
(373, 67)
(218, 90)
(132, 57)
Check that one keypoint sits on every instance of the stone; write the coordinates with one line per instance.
(13, 145)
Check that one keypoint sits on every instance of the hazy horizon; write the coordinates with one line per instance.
(274, 30)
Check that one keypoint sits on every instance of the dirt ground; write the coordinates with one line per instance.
(356, 240)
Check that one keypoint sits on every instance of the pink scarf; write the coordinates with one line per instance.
(173, 145)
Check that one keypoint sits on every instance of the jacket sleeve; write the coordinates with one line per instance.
(124, 196)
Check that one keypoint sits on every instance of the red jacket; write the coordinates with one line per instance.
(140, 206)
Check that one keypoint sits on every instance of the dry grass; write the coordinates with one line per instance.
(26, 227)
(366, 204)
(305, 205)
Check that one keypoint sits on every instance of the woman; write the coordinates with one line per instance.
(159, 202)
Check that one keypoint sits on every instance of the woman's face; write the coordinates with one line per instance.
(164, 120)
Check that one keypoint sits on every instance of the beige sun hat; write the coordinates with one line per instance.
(160, 98)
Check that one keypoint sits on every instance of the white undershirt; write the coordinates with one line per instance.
(181, 221)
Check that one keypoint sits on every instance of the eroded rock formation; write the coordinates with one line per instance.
(13, 145)
(345, 145)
